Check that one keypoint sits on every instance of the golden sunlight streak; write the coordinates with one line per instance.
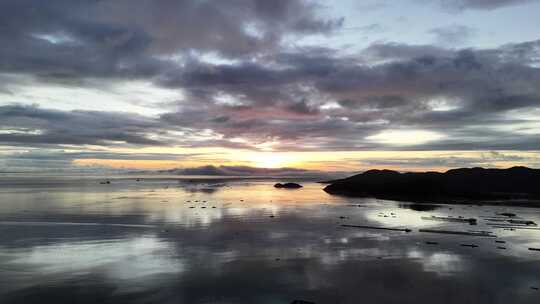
(270, 160)
(316, 160)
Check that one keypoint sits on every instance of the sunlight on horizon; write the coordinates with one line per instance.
(349, 161)
(405, 137)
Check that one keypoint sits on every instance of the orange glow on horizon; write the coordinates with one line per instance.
(322, 161)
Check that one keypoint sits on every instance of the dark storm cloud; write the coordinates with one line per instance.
(466, 95)
(268, 91)
(29, 125)
(461, 93)
(22, 125)
(64, 39)
(52, 39)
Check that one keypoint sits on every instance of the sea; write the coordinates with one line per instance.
(208, 239)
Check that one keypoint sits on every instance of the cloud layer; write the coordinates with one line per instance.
(312, 99)
(246, 84)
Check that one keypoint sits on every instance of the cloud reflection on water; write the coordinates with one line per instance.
(237, 253)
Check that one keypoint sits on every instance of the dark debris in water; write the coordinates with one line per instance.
(523, 222)
(471, 221)
(419, 207)
(377, 228)
(482, 234)
(469, 245)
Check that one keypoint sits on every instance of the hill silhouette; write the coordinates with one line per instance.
(453, 185)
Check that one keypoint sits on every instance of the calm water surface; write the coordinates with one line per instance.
(164, 240)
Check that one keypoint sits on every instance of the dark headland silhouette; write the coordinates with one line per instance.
(521, 185)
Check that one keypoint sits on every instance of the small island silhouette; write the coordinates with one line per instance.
(288, 185)
(512, 186)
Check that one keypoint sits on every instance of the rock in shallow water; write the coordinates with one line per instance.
(288, 185)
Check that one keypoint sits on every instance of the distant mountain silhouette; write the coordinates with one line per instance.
(238, 171)
(454, 185)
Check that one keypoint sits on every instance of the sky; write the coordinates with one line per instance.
(97, 85)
